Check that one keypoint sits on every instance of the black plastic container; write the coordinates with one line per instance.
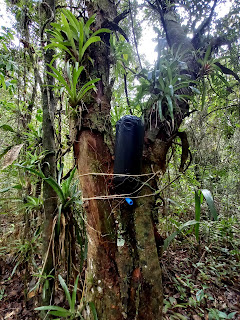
(128, 153)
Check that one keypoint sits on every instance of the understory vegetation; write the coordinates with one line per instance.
(68, 73)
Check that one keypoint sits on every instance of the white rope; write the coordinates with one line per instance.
(119, 174)
(120, 196)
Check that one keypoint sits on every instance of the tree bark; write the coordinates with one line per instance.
(49, 165)
(123, 281)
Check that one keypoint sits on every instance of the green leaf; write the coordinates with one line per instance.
(223, 79)
(171, 90)
(60, 78)
(72, 19)
(90, 21)
(162, 85)
(181, 85)
(222, 315)
(80, 40)
(207, 54)
(170, 105)
(69, 33)
(17, 186)
(60, 173)
(15, 268)
(74, 294)
(194, 90)
(5, 189)
(76, 73)
(169, 71)
(204, 92)
(36, 172)
(6, 127)
(88, 43)
(94, 311)
(200, 295)
(61, 314)
(160, 109)
(4, 47)
(65, 288)
(173, 235)
(86, 87)
(101, 31)
(60, 46)
(209, 198)
(169, 239)
(197, 213)
(231, 315)
(82, 93)
(64, 312)
(53, 183)
(56, 308)
(59, 220)
(69, 180)
(2, 82)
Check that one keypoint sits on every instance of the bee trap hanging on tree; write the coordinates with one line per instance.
(128, 153)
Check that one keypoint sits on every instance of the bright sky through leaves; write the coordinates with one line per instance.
(147, 45)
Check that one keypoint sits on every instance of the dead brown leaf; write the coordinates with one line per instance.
(196, 317)
(11, 155)
(9, 315)
(31, 294)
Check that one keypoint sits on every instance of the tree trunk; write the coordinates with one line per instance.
(123, 280)
(49, 165)
(123, 270)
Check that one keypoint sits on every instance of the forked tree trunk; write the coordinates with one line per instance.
(123, 276)
(124, 282)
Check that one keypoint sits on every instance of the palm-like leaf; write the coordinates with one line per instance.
(73, 36)
(72, 87)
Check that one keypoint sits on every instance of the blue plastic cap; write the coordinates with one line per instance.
(129, 201)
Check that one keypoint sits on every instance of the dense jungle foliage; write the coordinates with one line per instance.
(70, 247)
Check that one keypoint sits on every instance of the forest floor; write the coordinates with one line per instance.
(199, 283)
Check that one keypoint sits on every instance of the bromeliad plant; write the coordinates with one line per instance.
(70, 313)
(67, 191)
(75, 94)
(121, 53)
(199, 195)
(73, 312)
(73, 37)
(170, 83)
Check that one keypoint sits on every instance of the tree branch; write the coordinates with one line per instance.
(152, 5)
(50, 19)
(220, 41)
(121, 16)
(221, 108)
(199, 33)
(126, 93)
(134, 36)
(115, 27)
(226, 70)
